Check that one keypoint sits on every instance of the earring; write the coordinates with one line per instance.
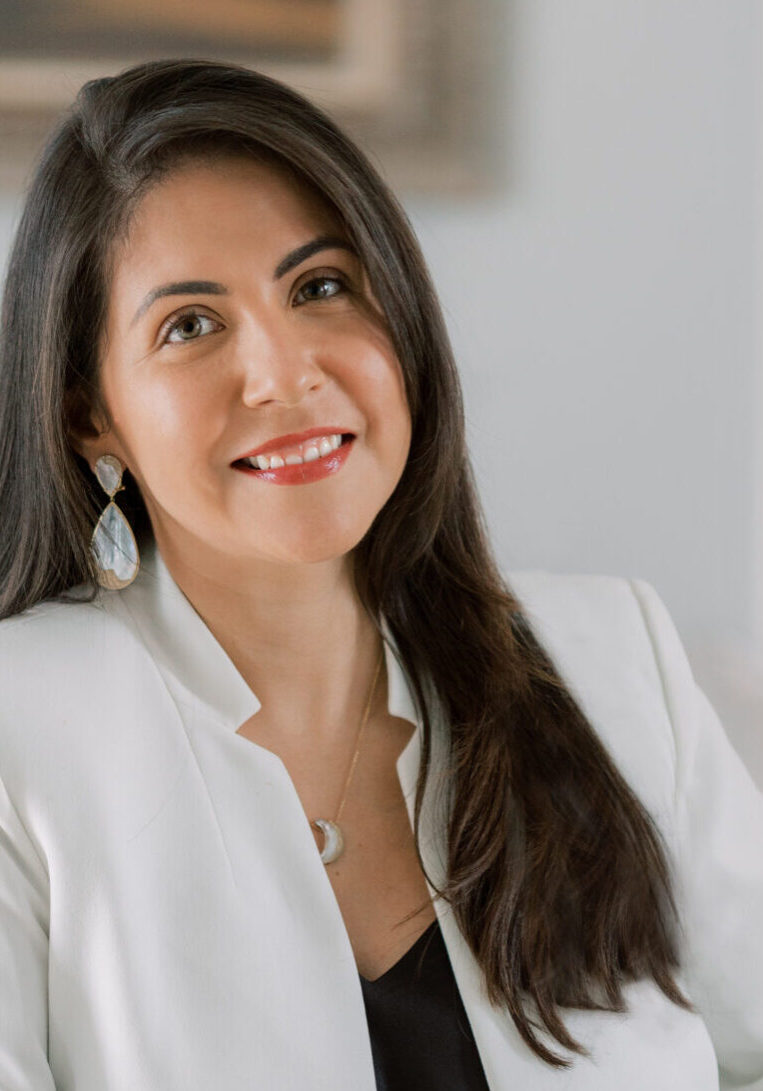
(113, 542)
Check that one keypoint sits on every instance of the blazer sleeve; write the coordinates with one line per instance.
(24, 921)
(718, 812)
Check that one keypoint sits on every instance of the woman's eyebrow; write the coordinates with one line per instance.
(302, 253)
(211, 287)
(179, 287)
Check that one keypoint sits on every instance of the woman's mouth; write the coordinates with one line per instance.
(302, 463)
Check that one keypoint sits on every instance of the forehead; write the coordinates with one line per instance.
(216, 207)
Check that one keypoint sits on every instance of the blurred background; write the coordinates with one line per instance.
(585, 179)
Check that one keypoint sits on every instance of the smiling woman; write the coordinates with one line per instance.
(291, 345)
(534, 835)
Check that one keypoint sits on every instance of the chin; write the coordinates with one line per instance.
(319, 548)
(319, 555)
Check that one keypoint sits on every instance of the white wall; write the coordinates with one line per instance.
(9, 209)
(604, 311)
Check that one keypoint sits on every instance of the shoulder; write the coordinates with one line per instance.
(58, 652)
(581, 601)
(585, 615)
(597, 618)
(81, 704)
(613, 642)
(57, 627)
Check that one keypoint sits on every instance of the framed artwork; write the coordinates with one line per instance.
(408, 78)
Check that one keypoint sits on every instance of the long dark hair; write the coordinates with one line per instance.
(556, 874)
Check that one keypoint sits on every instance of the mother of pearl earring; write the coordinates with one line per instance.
(113, 542)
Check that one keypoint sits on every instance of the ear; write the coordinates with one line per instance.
(88, 431)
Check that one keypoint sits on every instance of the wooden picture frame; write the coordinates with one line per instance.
(409, 79)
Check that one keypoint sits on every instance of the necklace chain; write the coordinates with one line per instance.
(333, 839)
(354, 761)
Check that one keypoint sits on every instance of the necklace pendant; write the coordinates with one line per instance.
(333, 841)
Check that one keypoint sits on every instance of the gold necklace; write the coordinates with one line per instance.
(333, 838)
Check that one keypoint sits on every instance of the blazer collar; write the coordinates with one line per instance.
(194, 664)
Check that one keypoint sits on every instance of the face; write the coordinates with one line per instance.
(264, 334)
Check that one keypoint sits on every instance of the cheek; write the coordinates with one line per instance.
(162, 408)
(377, 376)
(165, 425)
(394, 400)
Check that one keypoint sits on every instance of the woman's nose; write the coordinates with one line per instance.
(278, 364)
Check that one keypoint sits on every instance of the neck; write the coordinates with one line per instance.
(298, 635)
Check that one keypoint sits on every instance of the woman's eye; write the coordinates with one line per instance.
(317, 288)
(188, 327)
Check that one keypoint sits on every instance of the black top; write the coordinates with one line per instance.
(420, 1035)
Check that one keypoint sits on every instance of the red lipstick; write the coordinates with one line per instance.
(293, 438)
(303, 473)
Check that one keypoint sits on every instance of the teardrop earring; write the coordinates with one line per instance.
(113, 542)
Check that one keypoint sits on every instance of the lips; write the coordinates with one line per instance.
(293, 439)
(303, 474)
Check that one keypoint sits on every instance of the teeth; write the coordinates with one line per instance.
(314, 449)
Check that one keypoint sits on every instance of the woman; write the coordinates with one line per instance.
(297, 792)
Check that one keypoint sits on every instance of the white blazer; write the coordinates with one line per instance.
(166, 923)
